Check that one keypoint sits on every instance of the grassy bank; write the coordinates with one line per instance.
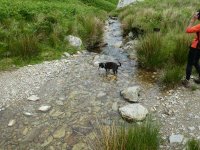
(32, 31)
(164, 51)
(144, 136)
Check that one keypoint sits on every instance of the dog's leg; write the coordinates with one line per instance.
(113, 71)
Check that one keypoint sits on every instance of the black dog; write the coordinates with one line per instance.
(110, 65)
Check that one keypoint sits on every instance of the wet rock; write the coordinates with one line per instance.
(25, 131)
(178, 138)
(117, 33)
(56, 113)
(2, 109)
(92, 136)
(191, 128)
(47, 141)
(118, 44)
(11, 123)
(60, 103)
(59, 133)
(34, 133)
(153, 109)
(101, 95)
(33, 98)
(44, 108)
(64, 146)
(80, 146)
(51, 148)
(74, 41)
(131, 94)
(115, 106)
(130, 35)
(28, 114)
(62, 98)
(133, 112)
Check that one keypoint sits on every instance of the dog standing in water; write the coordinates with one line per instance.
(110, 65)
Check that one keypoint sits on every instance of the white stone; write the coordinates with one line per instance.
(191, 128)
(101, 94)
(178, 138)
(74, 41)
(131, 94)
(133, 112)
(118, 44)
(11, 122)
(44, 108)
(27, 114)
(66, 54)
(33, 98)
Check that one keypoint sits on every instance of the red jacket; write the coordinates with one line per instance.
(194, 29)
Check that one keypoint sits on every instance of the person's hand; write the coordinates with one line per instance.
(195, 17)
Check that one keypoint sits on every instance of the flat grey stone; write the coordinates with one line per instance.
(11, 122)
(33, 98)
(44, 108)
(178, 138)
(59, 133)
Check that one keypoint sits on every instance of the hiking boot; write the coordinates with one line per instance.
(186, 83)
(197, 81)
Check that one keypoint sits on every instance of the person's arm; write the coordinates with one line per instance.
(191, 28)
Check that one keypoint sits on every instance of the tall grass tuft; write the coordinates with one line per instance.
(172, 75)
(193, 145)
(149, 50)
(24, 46)
(144, 136)
(90, 29)
(180, 50)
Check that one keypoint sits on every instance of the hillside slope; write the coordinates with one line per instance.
(32, 31)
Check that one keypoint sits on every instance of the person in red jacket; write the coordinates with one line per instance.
(194, 52)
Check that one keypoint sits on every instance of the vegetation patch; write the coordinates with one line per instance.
(32, 31)
(193, 145)
(143, 136)
(164, 45)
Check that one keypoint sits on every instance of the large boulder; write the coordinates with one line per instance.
(74, 41)
(131, 93)
(133, 112)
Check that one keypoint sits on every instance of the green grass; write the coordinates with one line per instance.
(172, 75)
(150, 54)
(170, 48)
(144, 136)
(193, 145)
(32, 31)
